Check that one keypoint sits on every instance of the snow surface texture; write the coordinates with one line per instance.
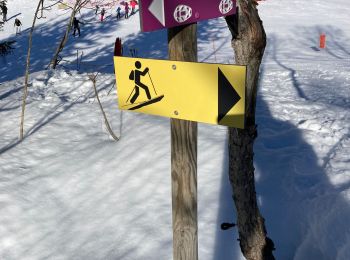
(68, 191)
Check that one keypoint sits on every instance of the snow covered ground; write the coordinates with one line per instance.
(68, 191)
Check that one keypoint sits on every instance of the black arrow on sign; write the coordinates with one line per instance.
(227, 98)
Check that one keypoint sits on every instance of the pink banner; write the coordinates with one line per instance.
(159, 14)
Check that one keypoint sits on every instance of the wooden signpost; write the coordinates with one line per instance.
(182, 46)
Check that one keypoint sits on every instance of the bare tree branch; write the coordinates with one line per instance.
(93, 77)
(25, 89)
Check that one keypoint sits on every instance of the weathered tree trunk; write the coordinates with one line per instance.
(249, 48)
(25, 88)
(183, 47)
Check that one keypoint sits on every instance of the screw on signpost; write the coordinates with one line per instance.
(182, 46)
(322, 41)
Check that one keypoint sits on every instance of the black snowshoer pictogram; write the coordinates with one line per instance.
(135, 75)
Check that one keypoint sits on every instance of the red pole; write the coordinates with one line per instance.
(322, 41)
(118, 47)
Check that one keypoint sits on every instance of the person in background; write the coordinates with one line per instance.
(76, 26)
(126, 10)
(4, 12)
(118, 13)
(96, 10)
(18, 25)
(103, 11)
(133, 5)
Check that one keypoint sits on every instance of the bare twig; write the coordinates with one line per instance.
(41, 10)
(93, 77)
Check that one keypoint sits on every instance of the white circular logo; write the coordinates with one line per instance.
(182, 13)
(225, 6)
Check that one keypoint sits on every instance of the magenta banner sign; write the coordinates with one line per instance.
(159, 14)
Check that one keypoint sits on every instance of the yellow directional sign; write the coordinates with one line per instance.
(202, 92)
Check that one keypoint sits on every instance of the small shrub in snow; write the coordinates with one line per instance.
(6, 47)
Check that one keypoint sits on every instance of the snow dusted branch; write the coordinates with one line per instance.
(93, 77)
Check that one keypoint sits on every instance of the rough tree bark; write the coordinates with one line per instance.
(25, 88)
(249, 46)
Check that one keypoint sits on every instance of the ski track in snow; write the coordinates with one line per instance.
(68, 191)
